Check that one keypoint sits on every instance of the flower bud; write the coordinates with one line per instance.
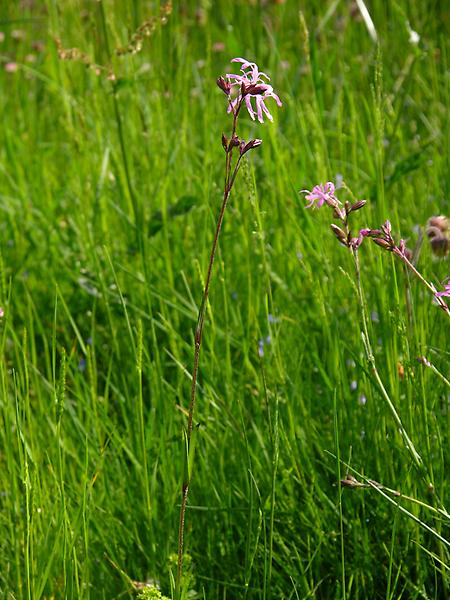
(402, 247)
(383, 243)
(359, 204)
(224, 142)
(338, 212)
(341, 236)
(402, 251)
(245, 147)
(254, 89)
(386, 228)
(224, 85)
(375, 232)
(235, 141)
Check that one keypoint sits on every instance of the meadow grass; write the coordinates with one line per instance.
(109, 193)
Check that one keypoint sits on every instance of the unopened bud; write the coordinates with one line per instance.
(355, 243)
(401, 250)
(357, 205)
(235, 141)
(383, 243)
(341, 236)
(402, 247)
(387, 228)
(339, 213)
(375, 232)
(224, 142)
(245, 147)
(254, 89)
(224, 85)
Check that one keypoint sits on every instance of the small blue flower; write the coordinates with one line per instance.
(261, 344)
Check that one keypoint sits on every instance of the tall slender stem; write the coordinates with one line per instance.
(230, 177)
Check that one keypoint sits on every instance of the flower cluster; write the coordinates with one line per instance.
(251, 83)
(437, 229)
(324, 193)
(234, 141)
(383, 237)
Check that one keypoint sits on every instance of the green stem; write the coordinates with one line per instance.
(229, 182)
(371, 359)
(431, 287)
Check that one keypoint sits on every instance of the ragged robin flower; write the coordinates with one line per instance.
(251, 83)
(321, 194)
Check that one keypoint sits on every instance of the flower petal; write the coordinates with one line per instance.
(248, 104)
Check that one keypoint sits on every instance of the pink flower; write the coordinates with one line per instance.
(321, 194)
(446, 290)
(11, 67)
(356, 242)
(251, 84)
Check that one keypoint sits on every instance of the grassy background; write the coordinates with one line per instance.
(108, 195)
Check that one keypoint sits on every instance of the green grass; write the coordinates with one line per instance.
(108, 197)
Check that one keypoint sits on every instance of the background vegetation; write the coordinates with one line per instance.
(111, 170)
